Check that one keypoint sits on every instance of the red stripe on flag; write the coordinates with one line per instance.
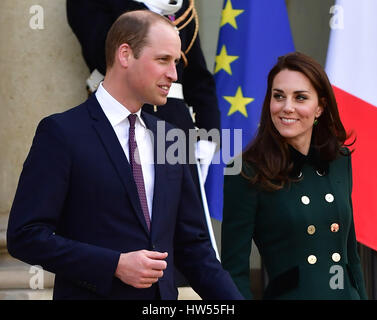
(361, 118)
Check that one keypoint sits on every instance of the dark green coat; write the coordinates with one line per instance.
(304, 258)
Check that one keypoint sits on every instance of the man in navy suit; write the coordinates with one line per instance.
(79, 210)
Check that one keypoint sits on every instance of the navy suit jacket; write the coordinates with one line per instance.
(77, 209)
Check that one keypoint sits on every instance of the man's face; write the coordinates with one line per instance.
(151, 75)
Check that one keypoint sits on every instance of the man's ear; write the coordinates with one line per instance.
(124, 53)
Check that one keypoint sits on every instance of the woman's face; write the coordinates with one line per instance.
(294, 106)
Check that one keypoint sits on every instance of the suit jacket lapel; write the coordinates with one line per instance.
(159, 174)
(111, 143)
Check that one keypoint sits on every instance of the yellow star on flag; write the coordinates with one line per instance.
(238, 102)
(229, 15)
(223, 61)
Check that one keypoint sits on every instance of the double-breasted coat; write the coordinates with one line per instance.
(304, 232)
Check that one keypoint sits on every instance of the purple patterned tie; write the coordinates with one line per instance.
(137, 170)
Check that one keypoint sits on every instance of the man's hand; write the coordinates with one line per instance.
(142, 268)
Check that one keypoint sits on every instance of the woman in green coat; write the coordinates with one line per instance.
(293, 196)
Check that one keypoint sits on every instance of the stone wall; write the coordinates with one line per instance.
(42, 73)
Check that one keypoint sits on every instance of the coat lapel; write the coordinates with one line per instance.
(111, 143)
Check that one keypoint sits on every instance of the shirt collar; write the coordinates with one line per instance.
(113, 109)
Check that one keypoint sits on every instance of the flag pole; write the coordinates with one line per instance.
(206, 211)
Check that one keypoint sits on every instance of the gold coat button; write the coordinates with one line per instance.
(311, 229)
(312, 259)
(334, 227)
(329, 197)
(335, 257)
(305, 200)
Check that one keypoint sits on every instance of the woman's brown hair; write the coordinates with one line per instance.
(269, 153)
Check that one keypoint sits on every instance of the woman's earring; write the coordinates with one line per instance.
(315, 121)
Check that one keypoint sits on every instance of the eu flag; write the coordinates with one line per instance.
(253, 34)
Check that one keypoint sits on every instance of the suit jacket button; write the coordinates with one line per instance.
(312, 259)
(311, 229)
(335, 257)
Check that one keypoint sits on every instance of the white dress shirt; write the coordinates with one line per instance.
(117, 115)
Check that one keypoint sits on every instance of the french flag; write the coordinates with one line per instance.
(352, 69)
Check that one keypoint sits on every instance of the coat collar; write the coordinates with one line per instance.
(313, 159)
